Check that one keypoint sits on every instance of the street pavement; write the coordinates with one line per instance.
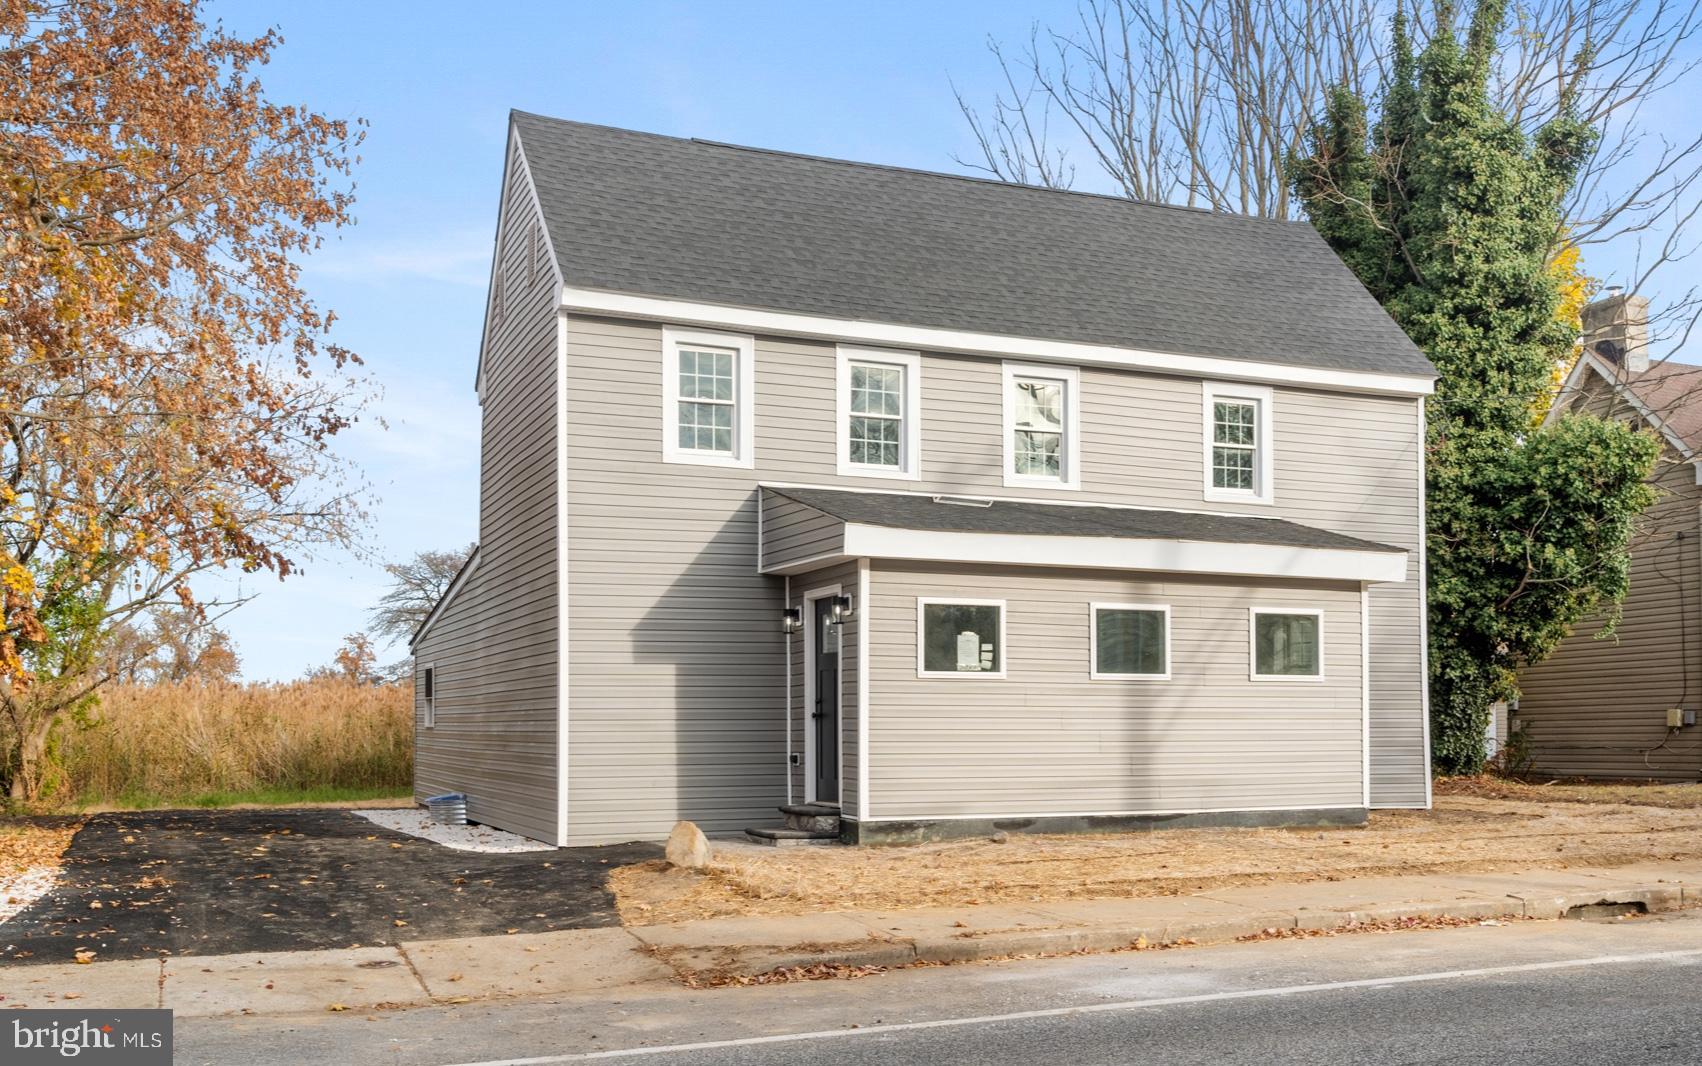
(1614, 991)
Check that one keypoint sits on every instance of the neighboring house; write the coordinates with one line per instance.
(1081, 512)
(1603, 707)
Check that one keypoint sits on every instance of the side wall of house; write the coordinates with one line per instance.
(793, 533)
(677, 679)
(1597, 707)
(1048, 739)
(495, 645)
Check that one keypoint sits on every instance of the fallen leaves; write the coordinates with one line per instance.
(819, 971)
(25, 846)
(84, 956)
(337, 1007)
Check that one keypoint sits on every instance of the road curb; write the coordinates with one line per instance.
(728, 962)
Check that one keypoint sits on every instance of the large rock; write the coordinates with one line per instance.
(688, 848)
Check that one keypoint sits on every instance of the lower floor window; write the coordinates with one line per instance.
(1287, 645)
(428, 694)
(961, 638)
(1131, 640)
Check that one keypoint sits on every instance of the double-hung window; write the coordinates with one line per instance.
(1287, 644)
(709, 393)
(428, 694)
(1042, 416)
(879, 432)
(1130, 641)
(1238, 443)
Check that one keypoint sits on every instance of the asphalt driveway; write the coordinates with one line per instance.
(144, 884)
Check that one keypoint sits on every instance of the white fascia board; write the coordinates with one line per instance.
(514, 148)
(467, 569)
(790, 324)
(1120, 553)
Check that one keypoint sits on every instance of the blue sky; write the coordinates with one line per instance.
(436, 81)
(870, 81)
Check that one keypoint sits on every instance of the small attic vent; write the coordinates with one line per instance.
(964, 501)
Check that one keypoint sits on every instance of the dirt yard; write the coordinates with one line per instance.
(1464, 833)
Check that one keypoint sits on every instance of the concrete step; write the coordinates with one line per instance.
(810, 808)
(788, 837)
(812, 817)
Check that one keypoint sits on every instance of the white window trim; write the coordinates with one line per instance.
(1264, 443)
(744, 397)
(922, 646)
(1093, 671)
(910, 444)
(1253, 674)
(1070, 377)
(429, 720)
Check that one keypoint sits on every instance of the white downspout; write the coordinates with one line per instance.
(788, 696)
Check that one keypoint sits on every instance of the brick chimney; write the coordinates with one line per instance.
(1616, 328)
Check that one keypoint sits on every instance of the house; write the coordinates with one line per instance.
(1625, 707)
(943, 503)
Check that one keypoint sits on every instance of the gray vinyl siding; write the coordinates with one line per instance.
(676, 672)
(1597, 707)
(677, 664)
(495, 644)
(1048, 739)
(845, 576)
(793, 532)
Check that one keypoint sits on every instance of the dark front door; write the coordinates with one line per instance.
(824, 716)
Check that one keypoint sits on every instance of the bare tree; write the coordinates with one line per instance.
(1202, 102)
(415, 587)
(1196, 102)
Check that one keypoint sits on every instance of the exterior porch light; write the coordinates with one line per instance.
(791, 620)
(843, 609)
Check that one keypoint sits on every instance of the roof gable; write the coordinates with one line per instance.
(1668, 396)
(714, 223)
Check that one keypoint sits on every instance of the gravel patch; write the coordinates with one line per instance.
(417, 823)
(21, 890)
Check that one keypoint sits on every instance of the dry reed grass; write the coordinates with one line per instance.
(165, 741)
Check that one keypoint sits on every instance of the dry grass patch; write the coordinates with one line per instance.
(322, 740)
(1575, 790)
(1462, 834)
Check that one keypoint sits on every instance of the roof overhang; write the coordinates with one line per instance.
(791, 324)
(1109, 553)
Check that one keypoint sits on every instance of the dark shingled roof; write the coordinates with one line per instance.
(717, 223)
(1066, 520)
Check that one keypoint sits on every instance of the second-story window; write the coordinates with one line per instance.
(1041, 406)
(879, 420)
(708, 404)
(707, 411)
(1237, 427)
(1234, 444)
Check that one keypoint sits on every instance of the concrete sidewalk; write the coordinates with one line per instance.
(592, 960)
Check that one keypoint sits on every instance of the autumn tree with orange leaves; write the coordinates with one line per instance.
(169, 390)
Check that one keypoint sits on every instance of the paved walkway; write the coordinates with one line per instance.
(422, 972)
